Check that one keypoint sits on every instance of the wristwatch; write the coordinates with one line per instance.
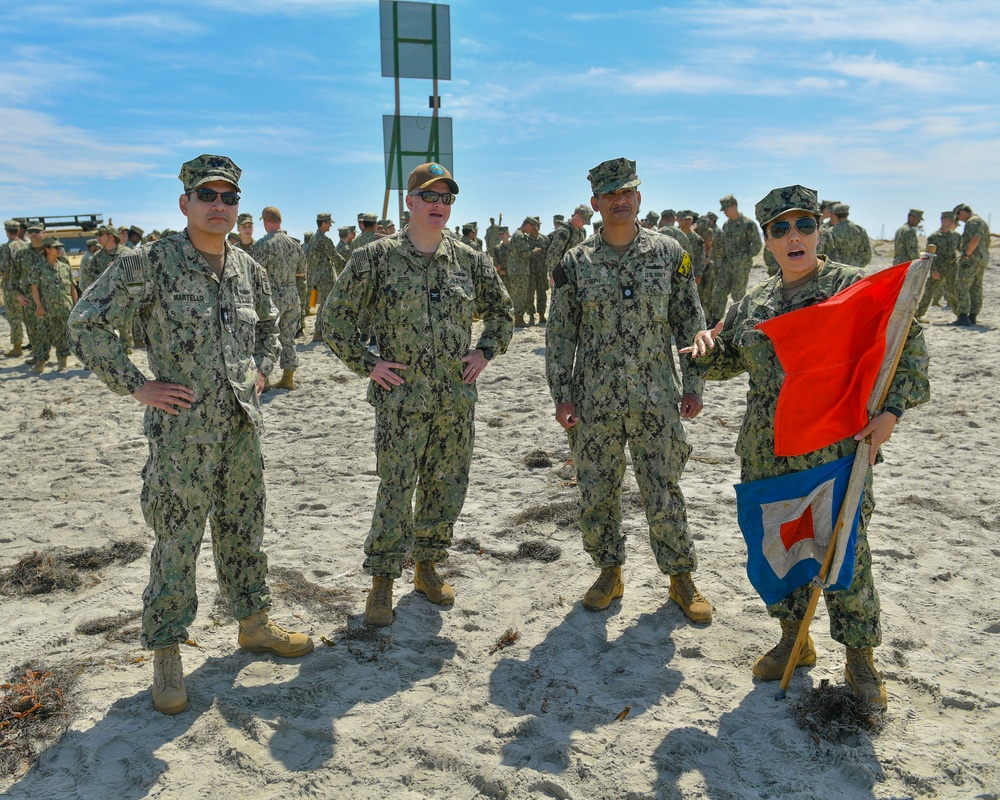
(896, 412)
(488, 353)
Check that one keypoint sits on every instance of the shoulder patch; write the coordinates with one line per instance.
(361, 261)
(265, 282)
(684, 270)
(559, 277)
(132, 273)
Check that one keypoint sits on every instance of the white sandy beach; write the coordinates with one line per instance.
(423, 709)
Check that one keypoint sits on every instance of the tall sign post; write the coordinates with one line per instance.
(416, 43)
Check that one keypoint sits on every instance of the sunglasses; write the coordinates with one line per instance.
(432, 197)
(804, 225)
(209, 195)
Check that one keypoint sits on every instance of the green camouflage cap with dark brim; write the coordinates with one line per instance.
(787, 198)
(916, 212)
(35, 227)
(324, 217)
(207, 168)
(610, 176)
(585, 212)
(52, 241)
(12, 224)
(726, 202)
(243, 218)
(947, 215)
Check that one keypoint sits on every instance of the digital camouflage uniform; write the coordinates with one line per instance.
(15, 314)
(492, 238)
(325, 264)
(364, 321)
(946, 265)
(739, 348)
(424, 429)
(734, 249)
(55, 290)
(849, 244)
(214, 337)
(283, 258)
(608, 352)
(24, 261)
(100, 262)
(501, 260)
(519, 262)
(905, 245)
(969, 275)
(564, 238)
(694, 246)
(538, 293)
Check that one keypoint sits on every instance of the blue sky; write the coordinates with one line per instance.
(881, 105)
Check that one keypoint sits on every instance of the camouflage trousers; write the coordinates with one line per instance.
(538, 290)
(520, 288)
(15, 316)
(50, 334)
(969, 287)
(323, 288)
(734, 278)
(935, 288)
(304, 293)
(427, 454)
(659, 449)
(855, 613)
(287, 302)
(713, 300)
(183, 484)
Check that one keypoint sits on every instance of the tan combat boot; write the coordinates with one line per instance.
(258, 634)
(519, 321)
(606, 588)
(286, 381)
(378, 609)
(169, 694)
(14, 352)
(771, 665)
(39, 366)
(429, 583)
(863, 678)
(60, 363)
(683, 592)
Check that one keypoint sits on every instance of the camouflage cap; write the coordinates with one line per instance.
(685, 214)
(344, 229)
(504, 229)
(947, 215)
(959, 207)
(916, 212)
(109, 229)
(586, 212)
(558, 217)
(35, 227)
(668, 213)
(136, 229)
(206, 168)
(610, 176)
(537, 222)
(244, 217)
(787, 198)
(352, 228)
(726, 202)
(469, 226)
(52, 241)
(308, 235)
(840, 209)
(712, 215)
(368, 218)
(270, 214)
(12, 224)
(826, 205)
(424, 175)
(387, 223)
(91, 242)
(324, 217)
(652, 216)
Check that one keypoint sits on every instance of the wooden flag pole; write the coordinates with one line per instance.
(895, 337)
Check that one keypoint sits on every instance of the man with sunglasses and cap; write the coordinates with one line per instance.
(212, 336)
(789, 217)
(618, 299)
(421, 289)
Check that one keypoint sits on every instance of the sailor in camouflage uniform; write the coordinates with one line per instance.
(15, 313)
(849, 242)
(790, 218)
(525, 245)
(618, 298)
(736, 246)
(325, 264)
(942, 278)
(283, 258)
(973, 256)
(53, 293)
(23, 262)
(905, 244)
(566, 236)
(244, 225)
(422, 289)
(212, 339)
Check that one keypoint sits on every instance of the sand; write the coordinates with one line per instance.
(424, 709)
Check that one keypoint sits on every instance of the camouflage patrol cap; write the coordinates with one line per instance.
(111, 230)
(308, 235)
(344, 229)
(243, 218)
(787, 198)
(840, 209)
(685, 214)
(668, 213)
(270, 214)
(352, 228)
(91, 242)
(35, 227)
(586, 212)
(424, 175)
(558, 217)
(534, 221)
(712, 215)
(368, 218)
(12, 224)
(947, 215)
(959, 207)
(827, 204)
(52, 241)
(726, 202)
(136, 229)
(652, 216)
(469, 226)
(324, 217)
(916, 212)
(610, 176)
(504, 229)
(207, 168)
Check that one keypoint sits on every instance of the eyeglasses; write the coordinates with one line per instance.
(432, 197)
(804, 225)
(209, 195)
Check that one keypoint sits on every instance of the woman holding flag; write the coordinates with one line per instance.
(793, 451)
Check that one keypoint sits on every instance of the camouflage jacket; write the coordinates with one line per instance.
(561, 240)
(55, 285)
(738, 242)
(282, 257)
(422, 316)
(102, 258)
(607, 343)
(976, 226)
(694, 246)
(492, 238)
(475, 242)
(325, 263)
(906, 247)
(740, 348)
(363, 238)
(7, 252)
(22, 264)
(947, 249)
(522, 246)
(210, 335)
(849, 244)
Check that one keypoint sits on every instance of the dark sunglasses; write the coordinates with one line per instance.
(432, 197)
(804, 225)
(209, 195)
